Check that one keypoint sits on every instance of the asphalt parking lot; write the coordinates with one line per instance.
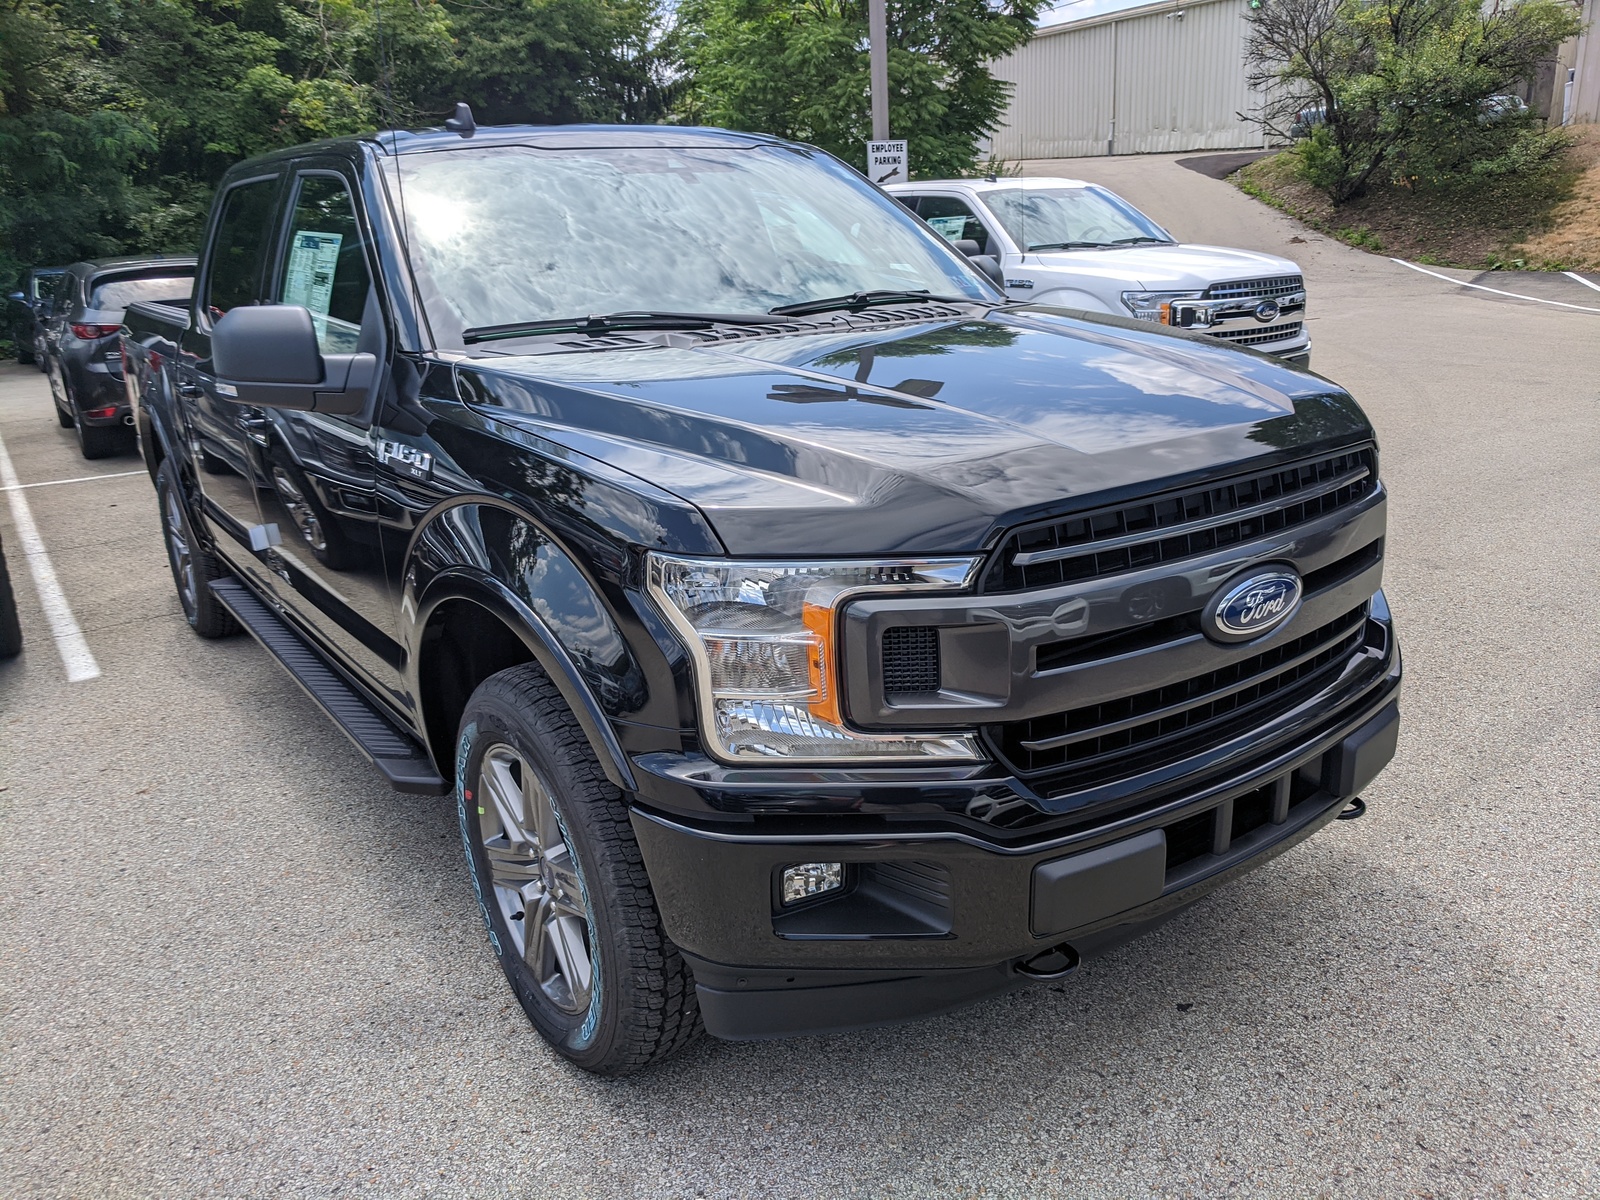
(233, 963)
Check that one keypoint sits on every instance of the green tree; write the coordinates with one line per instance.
(555, 61)
(1400, 89)
(117, 117)
(799, 69)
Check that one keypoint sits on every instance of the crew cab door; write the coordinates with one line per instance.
(954, 218)
(318, 468)
(216, 438)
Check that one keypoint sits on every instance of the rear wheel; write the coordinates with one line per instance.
(561, 884)
(192, 566)
(101, 441)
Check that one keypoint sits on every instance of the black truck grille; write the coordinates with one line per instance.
(910, 660)
(1180, 524)
(1084, 746)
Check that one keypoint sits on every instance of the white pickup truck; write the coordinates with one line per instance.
(1078, 245)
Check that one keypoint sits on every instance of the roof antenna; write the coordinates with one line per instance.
(462, 122)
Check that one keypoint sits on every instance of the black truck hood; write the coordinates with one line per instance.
(917, 437)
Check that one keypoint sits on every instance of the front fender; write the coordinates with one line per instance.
(491, 556)
(1073, 298)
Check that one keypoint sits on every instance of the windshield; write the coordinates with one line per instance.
(1050, 217)
(111, 295)
(514, 234)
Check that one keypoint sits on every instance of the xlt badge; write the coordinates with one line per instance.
(406, 460)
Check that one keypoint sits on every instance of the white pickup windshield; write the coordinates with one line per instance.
(510, 234)
(1040, 218)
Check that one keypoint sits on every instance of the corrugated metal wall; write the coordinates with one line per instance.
(1157, 79)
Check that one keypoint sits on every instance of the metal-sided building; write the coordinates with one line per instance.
(1160, 77)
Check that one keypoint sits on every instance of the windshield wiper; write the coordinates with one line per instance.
(1140, 241)
(602, 323)
(1069, 246)
(862, 300)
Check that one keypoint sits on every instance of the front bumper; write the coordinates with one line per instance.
(935, 918)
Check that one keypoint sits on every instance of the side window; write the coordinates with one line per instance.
(953, 220)
(233, 276)
(325, 267)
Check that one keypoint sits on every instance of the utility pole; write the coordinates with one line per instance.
(878, 32)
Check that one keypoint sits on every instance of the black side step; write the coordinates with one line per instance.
(392, 750)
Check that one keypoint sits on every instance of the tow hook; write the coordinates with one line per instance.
(1356, 809)
(1050, 964)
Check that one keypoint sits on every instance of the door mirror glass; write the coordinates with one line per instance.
(17, 298)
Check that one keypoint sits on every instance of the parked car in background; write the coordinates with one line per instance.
(83, 350)
(1073, 244)
(30, 307)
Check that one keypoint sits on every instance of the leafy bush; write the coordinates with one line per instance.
(1407, 91)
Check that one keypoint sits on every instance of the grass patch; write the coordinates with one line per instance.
(1546, 220)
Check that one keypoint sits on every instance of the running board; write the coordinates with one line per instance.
(392, 750)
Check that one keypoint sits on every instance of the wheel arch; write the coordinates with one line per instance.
(471, 625)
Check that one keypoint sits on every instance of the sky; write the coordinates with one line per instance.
(1077, 10)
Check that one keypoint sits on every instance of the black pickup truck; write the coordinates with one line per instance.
(810, 637)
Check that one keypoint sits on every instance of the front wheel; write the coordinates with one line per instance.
(561, 884)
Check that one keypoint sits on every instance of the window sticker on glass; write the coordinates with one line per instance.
(949, 228)
(313, 259)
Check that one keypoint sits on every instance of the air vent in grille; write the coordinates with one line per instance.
(910, 660)
(1180, 524)
(1282, 285)
(1254, 337)
(1149, 729)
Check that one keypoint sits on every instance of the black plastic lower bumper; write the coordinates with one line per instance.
(930, 921)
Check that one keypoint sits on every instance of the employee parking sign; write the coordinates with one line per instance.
(886, 162)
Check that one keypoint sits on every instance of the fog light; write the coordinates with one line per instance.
(804, 880)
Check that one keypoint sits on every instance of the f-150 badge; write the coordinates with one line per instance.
(406, 460)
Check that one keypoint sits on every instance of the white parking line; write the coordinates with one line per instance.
(17, 487)
(75, 656)
(1480, 287)
(1588, 283)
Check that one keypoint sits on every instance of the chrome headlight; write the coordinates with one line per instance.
(763, 638)
(1148, 306)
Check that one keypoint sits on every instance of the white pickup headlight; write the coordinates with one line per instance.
(1149, 306)
(764, 642)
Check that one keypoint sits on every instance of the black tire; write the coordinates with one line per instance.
(25, 354)
(64, 418)
(10, 627)
(642, 1005)
(102, 441)
(193, 567)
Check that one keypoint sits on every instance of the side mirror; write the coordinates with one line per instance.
(987, 263)
(17, 298)
(269, 356)
(990, 266)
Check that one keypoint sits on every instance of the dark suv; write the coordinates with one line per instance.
(30, 310)
(809, 636)
(83, 349)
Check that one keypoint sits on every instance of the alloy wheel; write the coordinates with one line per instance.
(179, 552)
(534, 878)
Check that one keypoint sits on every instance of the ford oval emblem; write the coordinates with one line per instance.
(1251, 605)
(1267, 310)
